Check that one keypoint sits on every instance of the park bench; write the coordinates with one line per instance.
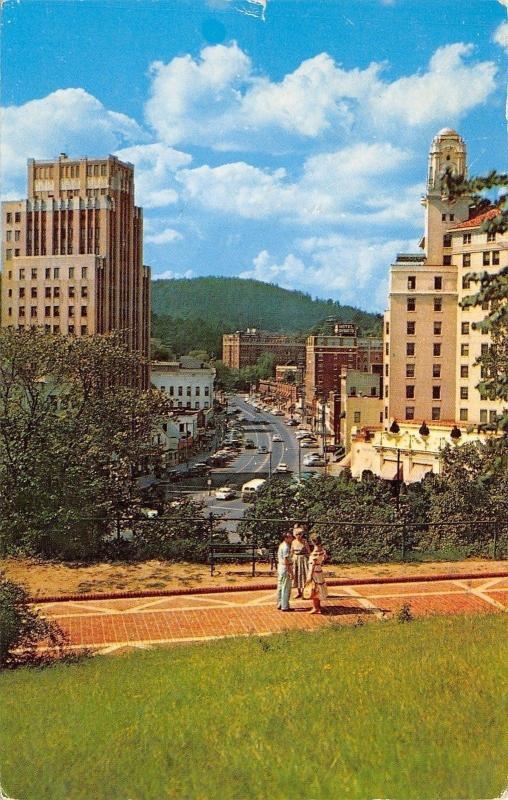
(239, 551)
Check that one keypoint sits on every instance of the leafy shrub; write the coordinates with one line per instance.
(21, 628)
(182, 534)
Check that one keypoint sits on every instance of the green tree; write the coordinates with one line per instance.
(72, 435)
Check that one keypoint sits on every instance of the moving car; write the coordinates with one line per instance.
(263, 450)
(282, 467)
(277, 413)
(316, 461)
(308, 443)
(276, 438)
(292, 423)
(225, 493)
(250, 444)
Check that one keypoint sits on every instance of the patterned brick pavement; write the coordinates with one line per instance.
(109, 626)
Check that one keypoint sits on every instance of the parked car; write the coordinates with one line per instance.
(263, 450)
(199, 469)
(277, 413)
(282, 468)
(305, 443)
(225, 493)
(315, 462)
(292, 423)
(250, 444)
(276, 438)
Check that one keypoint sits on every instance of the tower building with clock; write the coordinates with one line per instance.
(430, 344)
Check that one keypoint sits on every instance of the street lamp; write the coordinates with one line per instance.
(270, 464)
(299, 458)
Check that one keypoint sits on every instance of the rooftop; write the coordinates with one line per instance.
(479, 219)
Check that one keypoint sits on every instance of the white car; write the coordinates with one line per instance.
(276, 438)
(225, 493)
(277, 413)
(301, 434)
(282, 467)
(308, 443)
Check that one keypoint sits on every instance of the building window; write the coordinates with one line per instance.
(387, 349)
(437, 328)
(386, 391)
(438, 304)
(411, 282)
(22, 274)
(56, 291)
(84, 311)
(71, 291)
(466, 283)
(8, 217)
(411, 304)
(180, 391)
(466, 259)
(492, 416)
(71, 311)
(466, 238)
(171, 391)
(34, 273)
(410, 412)
(436, 370)
(84, 330)
(83, 272)
(47, 311)
(483, 415)
(387, 328)
(447, 261)
(357, 416)
(463, 414)
(197, 391)
(386, 370)
(410, 370)
(464, 349)
(436, 413)
(22, 311)
(495, 257)
(464, 393)
(486, 258)
(464, 328)
(436, 349)
(56, 328)
(464, 371)
(33, 291)
(47, 273)
(21, 291)
(410, 348)
(438, 283)
(71, 272)
(84, 291)
(56, 272)
(443, 217)
(56, 311)
(436, 392)
(452, 217)
(70, 329)
(33, 311)
(410, 391)
(410, 328)
(8, 236)
(484, 349)
(17, 216)
(447, 240)
(207, 391)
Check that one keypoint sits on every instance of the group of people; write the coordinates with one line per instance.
(300, 566)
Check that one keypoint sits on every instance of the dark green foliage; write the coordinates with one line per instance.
(21, 628)
(182, 534)
(194, 313)
(405, 614)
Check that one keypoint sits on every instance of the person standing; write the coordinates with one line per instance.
(318, 590)
(300, 551)
(284, 572)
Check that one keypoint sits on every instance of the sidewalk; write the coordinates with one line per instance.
(109, 626)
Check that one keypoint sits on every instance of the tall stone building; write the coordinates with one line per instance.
(243, 348)
(430, 347)
(73, 253)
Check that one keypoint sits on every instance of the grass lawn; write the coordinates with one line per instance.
(415, 711)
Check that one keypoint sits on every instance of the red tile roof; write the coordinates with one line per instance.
(476, 221)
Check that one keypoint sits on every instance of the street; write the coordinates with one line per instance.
(250, 463)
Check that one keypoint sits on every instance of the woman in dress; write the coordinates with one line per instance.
(318, 590)
(300, 559)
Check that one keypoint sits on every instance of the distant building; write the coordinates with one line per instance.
(189, 383)
(73, 253)
(430, 343)
(361, 404)
(243, 348)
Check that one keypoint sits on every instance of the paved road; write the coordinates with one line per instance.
(251, 462)
(109, 626)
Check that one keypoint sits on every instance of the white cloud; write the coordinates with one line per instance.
(169, 275)
(345, 268)
(448, 90)
(166, 236)
(219, 100)
(340, 185)
(500, 36)
(155, 165)
(69, 120)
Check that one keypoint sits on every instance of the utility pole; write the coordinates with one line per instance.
(323, 429)
(270, 464)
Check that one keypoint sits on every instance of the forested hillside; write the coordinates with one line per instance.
(192, 314)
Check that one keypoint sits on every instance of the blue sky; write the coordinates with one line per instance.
(284, 140)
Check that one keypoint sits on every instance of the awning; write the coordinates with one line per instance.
(418, 472)
(389, 471)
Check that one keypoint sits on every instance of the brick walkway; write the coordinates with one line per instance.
(112, 625)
